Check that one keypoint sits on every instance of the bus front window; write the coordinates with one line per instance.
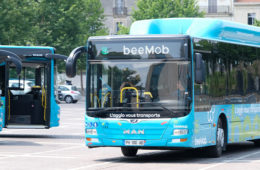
(139, 86)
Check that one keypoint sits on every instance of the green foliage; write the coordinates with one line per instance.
(67, 24)
(257, 23)
(62, 24)
(150, 9)
(123, 30)
(17, 20)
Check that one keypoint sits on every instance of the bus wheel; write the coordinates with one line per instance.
(216, 151)
(257, 142)
(129, 151)
(68, 99)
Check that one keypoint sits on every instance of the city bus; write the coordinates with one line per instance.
(179, 83)
(27, 93)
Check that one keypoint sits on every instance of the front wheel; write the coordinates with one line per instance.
(68, 99)
(129, 151)
(216, 151)
(257, 142)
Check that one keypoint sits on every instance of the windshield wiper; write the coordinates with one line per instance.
(100, 112)
(157, 104)
(160, 105)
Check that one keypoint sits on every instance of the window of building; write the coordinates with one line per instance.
(251, 18)
(212, 6)
(119, 7)
(117, 26)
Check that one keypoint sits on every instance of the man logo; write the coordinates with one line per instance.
(134, 132)
(134, 121)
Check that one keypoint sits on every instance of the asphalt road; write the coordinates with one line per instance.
(63, 148)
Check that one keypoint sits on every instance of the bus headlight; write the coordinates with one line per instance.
(91, 131)
(177, 132)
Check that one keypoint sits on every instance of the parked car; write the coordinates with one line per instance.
(23, 87)
(68, 93)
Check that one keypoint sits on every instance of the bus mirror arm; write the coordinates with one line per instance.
(56, 56)
(11, 57)
(72, 60)
(199, 69)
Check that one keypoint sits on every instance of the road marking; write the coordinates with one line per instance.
(91, 166)
(55, 143)
(230, 160)
(56, 150)
(41, 156)
(105, 163)
(36, 153)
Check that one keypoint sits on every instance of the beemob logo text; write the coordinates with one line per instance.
(146, 50)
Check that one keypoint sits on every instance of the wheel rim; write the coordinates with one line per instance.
(68, 99)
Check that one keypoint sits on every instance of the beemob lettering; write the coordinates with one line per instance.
(146, 50)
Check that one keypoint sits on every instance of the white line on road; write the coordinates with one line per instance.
(36, 153)
(41, 156)
(230, 160)
(55, 143)
(56, 150)
(91, 166)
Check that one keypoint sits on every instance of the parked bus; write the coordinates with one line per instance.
(28, 100)
(173, 84)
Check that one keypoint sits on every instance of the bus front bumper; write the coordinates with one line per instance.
(169, 143)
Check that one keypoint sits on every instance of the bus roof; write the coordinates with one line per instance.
(27, 47)
(205, 28)
(28, 51)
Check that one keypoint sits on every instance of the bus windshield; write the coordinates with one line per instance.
(157, 86)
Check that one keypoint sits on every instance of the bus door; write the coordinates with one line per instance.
(28, 95)
(5, 58)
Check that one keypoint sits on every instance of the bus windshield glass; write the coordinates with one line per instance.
(157, 87)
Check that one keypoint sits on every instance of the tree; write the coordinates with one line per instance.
(123, 30)
(67, 24)
(17, 20)
(62, 24)
(257, 23)
(150, 9)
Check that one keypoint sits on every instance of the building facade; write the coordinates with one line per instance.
(117, 12)
(244, 11)
(220, 9)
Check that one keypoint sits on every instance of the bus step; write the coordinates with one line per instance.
(25, 126)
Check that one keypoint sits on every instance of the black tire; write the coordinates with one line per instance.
(68, 99)
(74, 101)
(216, 150)
(257, 142)
(129, 151)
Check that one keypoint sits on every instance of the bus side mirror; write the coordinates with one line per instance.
(199, 69)
(72, 61)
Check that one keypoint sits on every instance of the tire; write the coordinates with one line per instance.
(257, 142)
(129, 151)
(75, 101)
(216, 151)
(68, 99)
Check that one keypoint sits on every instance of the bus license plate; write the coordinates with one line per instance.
(134, 142)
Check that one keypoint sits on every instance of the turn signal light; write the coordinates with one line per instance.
(183, 140)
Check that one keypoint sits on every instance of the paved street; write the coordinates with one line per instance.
(63, 148)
